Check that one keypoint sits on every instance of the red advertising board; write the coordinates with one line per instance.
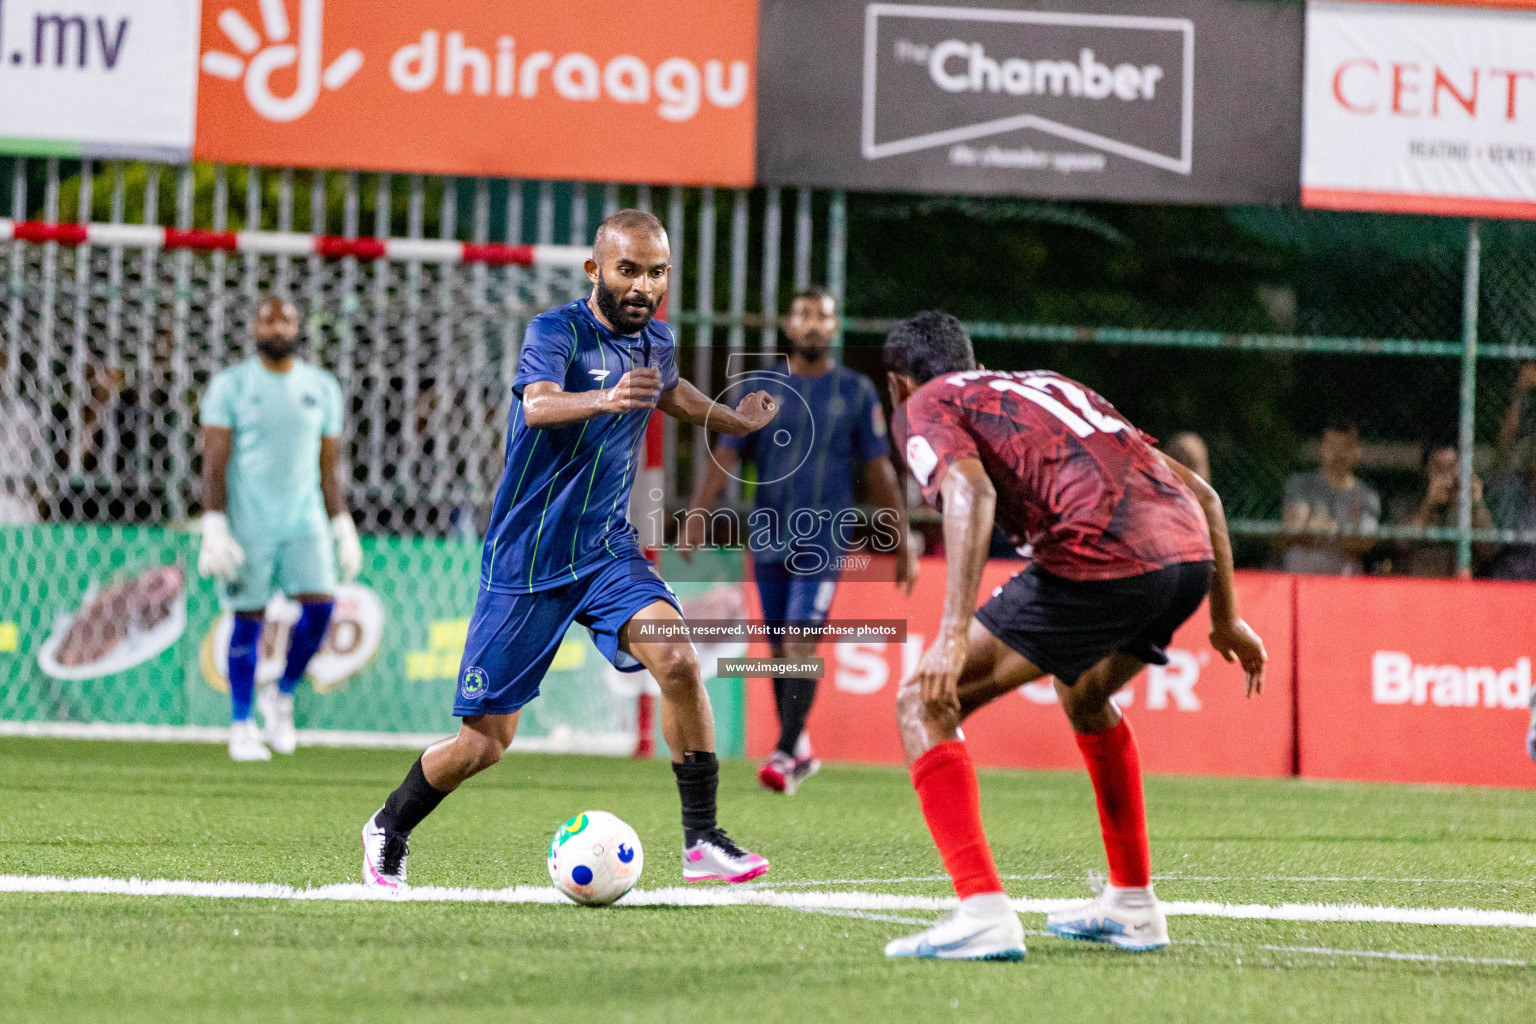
(1415, 680)
(601, 91)
(1191, 715)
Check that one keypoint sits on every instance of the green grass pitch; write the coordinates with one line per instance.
(186, 812)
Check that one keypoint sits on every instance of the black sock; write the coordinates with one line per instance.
(778, 697)
(799, 695)
(698, 776)
(414, 800)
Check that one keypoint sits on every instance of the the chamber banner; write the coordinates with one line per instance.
(1184, 101)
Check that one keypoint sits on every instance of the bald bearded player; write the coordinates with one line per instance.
(560, 548)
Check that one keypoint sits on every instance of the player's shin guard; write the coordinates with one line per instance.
(410, 803)
(794, 708)
(1114, 765)
(243, 641)
(305, 639)
(945, 780)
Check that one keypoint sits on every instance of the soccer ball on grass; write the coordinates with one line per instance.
(595, 858)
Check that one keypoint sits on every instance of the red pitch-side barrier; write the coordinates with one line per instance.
(1415, 680)
(295, 243)
(1373, 679)
(1191, 716)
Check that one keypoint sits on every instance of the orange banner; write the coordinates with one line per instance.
(1191, 715)
(662, 92)
(1415, 680)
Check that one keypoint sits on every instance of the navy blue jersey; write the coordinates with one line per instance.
(809, 456)
(562, 507)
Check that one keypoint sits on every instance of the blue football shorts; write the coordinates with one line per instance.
(788, 596)
(513, 638)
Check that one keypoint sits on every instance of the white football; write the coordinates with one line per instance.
(595, 858)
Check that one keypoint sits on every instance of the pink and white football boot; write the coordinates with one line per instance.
(714, 856)
(384, 855)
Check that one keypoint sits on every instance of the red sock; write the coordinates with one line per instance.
(946, 786)
(1114, 764)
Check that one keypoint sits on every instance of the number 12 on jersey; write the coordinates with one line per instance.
(1083, 422)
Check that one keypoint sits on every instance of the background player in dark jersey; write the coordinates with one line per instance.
(560, 549)
(1126, 545)
(829, 434)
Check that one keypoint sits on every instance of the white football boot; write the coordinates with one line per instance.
(716, 857)
(806, 762)
(384, 855)
(276, 709)
(983, 927)
(245, 743)
(1129, 918)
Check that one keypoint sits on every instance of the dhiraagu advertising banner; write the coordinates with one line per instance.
(109, 631)
(546, 89)
(103, 78)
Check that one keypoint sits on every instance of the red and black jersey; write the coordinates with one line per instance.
(1074, 478)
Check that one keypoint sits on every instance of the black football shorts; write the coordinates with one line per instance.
(1067, 626)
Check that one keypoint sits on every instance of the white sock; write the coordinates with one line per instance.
(987, 904)
(1130, 897)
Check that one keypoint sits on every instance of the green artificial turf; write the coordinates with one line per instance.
(186, 812)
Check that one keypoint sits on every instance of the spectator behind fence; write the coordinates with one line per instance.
(1520, 418)
(1512, 500)
(1435, 507)
(1188, 449)
(1338, 511)
(21, 446)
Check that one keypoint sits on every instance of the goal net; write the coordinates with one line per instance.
(109, 340)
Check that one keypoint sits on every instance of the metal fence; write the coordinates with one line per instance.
(1260, 326)
(1417, 327)
(108, 347)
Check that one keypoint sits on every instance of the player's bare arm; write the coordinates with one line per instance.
(547, 404)
(1233, 638)
(970, 501)
(349, 550)
(330, 477)
(879, 478)
(705, 497)
(218, 555)
(218, 442)
(690, 405)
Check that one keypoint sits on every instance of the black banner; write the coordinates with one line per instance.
(1187, 101)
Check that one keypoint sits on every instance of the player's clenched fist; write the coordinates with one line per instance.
(637, 389)
(757, 409)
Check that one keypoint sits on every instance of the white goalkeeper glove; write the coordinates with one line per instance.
(349, 550)
(219, 555)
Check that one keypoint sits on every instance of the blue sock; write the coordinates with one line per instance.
(308, 633)
(242, 667)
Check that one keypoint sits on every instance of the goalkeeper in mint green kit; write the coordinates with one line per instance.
(271, 480)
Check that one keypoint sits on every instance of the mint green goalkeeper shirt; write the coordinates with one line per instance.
(273, 480)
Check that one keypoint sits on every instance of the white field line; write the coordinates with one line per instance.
(1059, 876)
(1466, 917)
(616, 744)
(1364, 954)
